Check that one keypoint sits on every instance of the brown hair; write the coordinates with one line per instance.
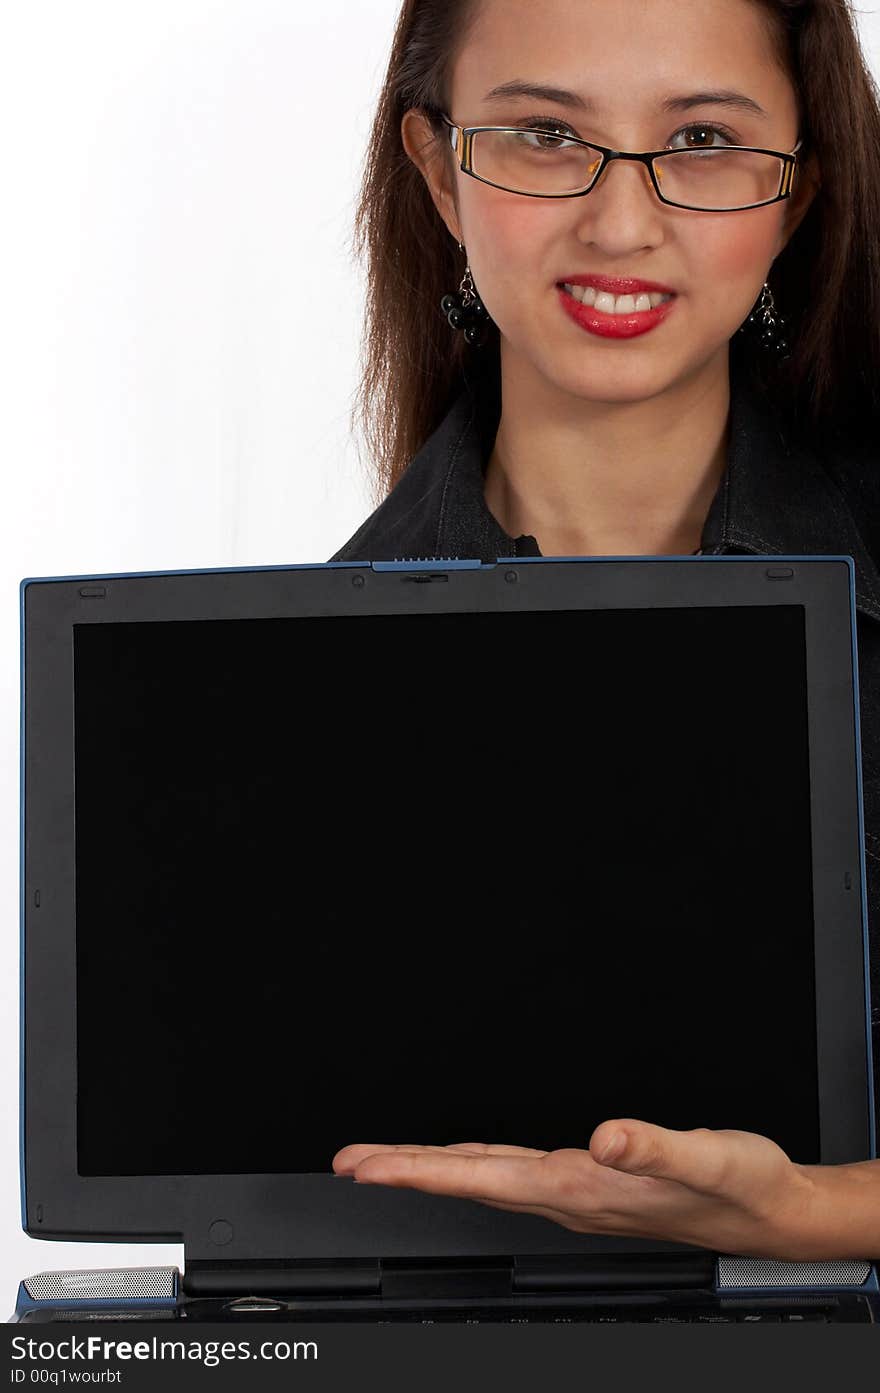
(825, 282)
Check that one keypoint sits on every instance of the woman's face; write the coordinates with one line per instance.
(626, 57)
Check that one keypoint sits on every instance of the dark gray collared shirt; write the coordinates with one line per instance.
(776, 497)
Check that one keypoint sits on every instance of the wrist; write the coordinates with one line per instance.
(835, 1211)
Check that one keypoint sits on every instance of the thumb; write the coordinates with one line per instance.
(697, 1159)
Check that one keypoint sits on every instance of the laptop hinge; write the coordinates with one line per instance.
(306, 1277)
(405, 1278)
(613, 1272)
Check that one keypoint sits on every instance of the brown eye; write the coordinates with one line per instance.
(541, 140)
(700, 137)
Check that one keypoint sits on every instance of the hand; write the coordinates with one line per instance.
(735, 1192)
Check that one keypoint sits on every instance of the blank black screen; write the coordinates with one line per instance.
(437, 878)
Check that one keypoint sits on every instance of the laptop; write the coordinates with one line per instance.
(432, 851)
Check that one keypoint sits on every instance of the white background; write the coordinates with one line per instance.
(179, 334)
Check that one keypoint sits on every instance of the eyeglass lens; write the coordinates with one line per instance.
(539, 162)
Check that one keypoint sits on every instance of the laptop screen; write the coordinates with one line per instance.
(438, 878)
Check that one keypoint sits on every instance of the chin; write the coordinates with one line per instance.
(615, 386)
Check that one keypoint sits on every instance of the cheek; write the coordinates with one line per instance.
(513, 244)
(725, 261)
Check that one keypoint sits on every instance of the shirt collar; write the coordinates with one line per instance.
(774, 497)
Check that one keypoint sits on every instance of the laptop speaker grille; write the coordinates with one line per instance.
(110, 1284)
(772, 1272)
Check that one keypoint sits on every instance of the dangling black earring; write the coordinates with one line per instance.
(466, 310)
(766, 325)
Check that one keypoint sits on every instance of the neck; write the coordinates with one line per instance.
(608, 478)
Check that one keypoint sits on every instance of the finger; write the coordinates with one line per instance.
(700, 1159)
(494, 1149)
(508, 1179)
(350, 1156)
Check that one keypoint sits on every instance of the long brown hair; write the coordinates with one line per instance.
(826, 281)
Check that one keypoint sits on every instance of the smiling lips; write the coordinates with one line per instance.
(617, 294)
(615, 306)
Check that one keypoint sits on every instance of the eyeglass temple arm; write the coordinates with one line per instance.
(454, 131)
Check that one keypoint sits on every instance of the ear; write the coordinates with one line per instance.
(807, 183)
(431, 155)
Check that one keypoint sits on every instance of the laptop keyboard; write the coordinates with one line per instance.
(611, 1316)
(803, 1311)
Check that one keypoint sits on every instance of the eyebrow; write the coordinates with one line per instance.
(560, 97)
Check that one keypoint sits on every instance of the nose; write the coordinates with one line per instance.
(621, 212)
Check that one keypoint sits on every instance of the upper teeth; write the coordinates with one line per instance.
(615, 304)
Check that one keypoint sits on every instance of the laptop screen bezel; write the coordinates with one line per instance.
(328, 1217)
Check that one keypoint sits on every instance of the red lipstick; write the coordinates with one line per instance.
(616, 326)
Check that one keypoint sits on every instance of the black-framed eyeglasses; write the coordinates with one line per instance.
(545, 163)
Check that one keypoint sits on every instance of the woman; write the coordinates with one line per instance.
(662, 422)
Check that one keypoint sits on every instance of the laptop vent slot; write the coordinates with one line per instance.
(126, 1284)
(772, 1272)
